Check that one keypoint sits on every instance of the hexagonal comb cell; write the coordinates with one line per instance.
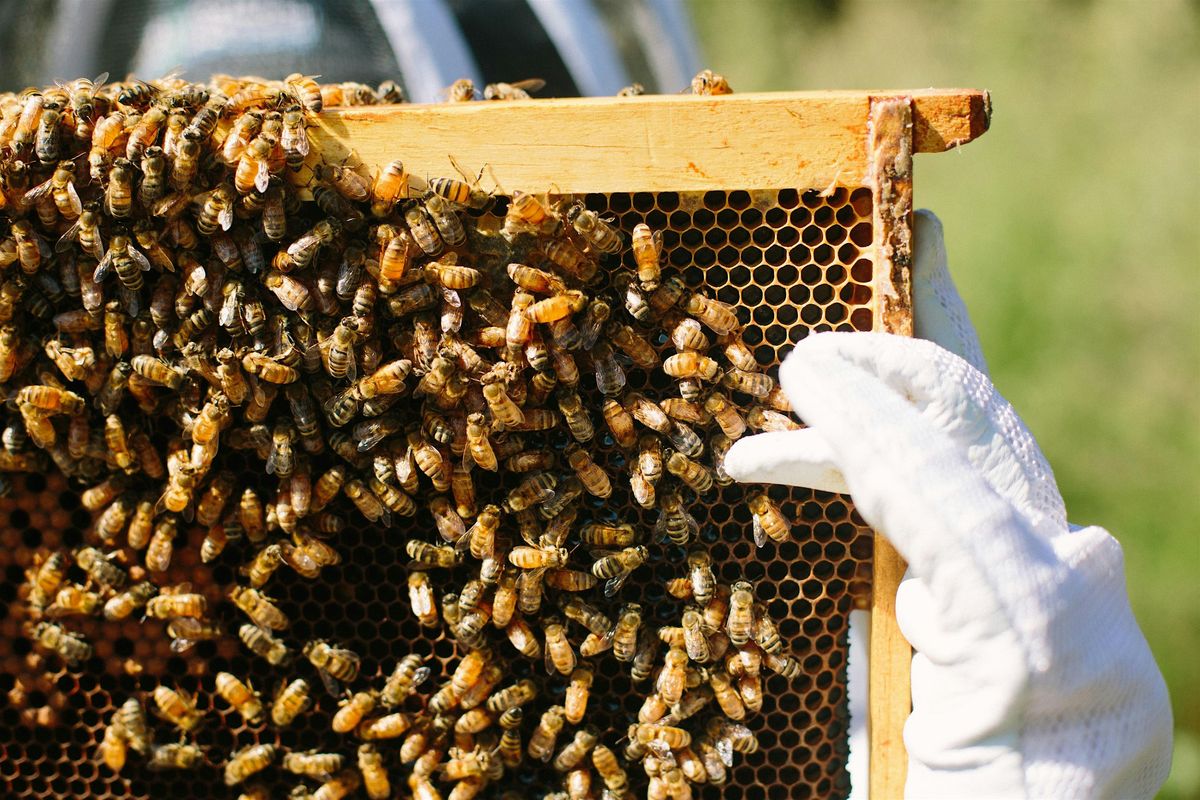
(790, 262)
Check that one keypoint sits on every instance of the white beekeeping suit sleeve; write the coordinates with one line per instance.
(1031, 677)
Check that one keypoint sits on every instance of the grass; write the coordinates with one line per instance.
(1073, 229)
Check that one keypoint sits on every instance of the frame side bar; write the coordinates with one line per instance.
(889, 153)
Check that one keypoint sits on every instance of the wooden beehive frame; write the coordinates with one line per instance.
(799, 140)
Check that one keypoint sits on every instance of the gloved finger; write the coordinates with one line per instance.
(954, 398)
(939, 314)
(795, 458)
(912, 479)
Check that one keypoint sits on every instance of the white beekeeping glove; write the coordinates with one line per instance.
(1031, 677)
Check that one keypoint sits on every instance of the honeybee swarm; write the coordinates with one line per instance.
(204, 325)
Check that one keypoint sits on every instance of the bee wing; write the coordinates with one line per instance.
(225, 215)
(298, 560)
(725, 751)
(421, 675)
(182, 646)
(76, 203)
(614, 584)
(65, 241)
(302, 142)
(99, 81)
(660, 528)
(332, 684)
(41, 191)
(104, 268)
(529, 84)
(139, 258)
(262, 178)
(228, 315)
(692, 525)
(464, 542)
(760, 534)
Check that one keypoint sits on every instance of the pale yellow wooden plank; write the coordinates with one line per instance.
(651, 143)
(891, 138)
(889, 691)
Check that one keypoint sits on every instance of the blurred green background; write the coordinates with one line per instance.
(1073, 228)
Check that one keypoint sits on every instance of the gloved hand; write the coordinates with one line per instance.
(1031, 677)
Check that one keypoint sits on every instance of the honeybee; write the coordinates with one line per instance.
(542, 741)
(245, 128)
(335, 663)
(291, 701)
(72, 648)
(647, 253)
(617, 567)
(596, 232)
(339, 786)
(248, 761)
(768, 520)
(423, 229)
(157, 371)
(395, 257)
(534, 557)
(241, 696)
(559, 654)
(390, 185)
(375, 777)
(448, 226)
(609, 770)
(518, 694)
(177, 602)
(368, 503)
(122, 605)
(755, 384)
(216, 210)
(388, 726)
(674, 521)
(740, 621)
(73, 362)
(518, 90)
(61, 188)
(430, 556)
(118, 195)
(351, 711)
(509, 747)
(114, 747)
(177, 708)
(161, 547)
(294, 138)
(82, 97)
(313, 764)
(112, 521)
(175, 756)
(185, 632)
(536, 280)
(263, 644)
(261, 610)
(100, 569)
(526, 214)
(47, 146)
(420, 597)
(625, 634)
(73, 600)
(610, 376)
(535, 489)
(697, 477)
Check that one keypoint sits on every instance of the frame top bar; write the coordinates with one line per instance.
(652, 143)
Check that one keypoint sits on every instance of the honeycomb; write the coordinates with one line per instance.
(792, 262)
